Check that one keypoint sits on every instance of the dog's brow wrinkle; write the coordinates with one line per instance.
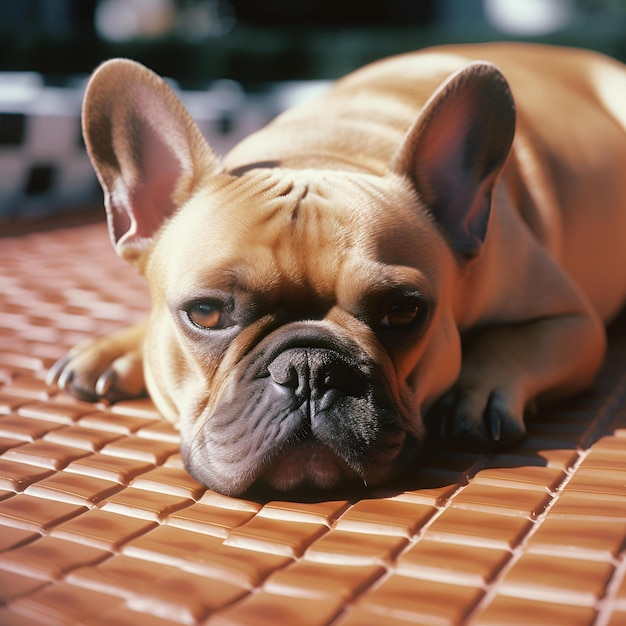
(288, 189)
(295, 212)
(243, 169)
(301, 192)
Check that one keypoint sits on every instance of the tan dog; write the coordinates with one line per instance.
(398, 244)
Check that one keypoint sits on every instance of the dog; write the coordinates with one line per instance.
(438, 239)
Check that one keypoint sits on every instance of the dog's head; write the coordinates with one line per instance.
(301, 318)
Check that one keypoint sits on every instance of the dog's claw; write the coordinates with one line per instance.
(105, 383)
(493, 421)
(53, 377)
(460, 422)
(65, 378)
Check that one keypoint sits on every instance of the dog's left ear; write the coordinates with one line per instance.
(455, 151)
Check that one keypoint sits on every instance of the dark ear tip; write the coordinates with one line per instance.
(487, 82)
(483, 78)
(483, 71)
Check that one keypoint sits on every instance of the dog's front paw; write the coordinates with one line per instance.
(110, 368)
(471, 420)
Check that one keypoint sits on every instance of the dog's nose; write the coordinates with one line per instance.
(308, 372)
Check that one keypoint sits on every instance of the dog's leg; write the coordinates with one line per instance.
(506, 368)
(109, 368)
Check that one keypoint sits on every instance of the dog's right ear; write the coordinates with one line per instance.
(456, 150)
(148, 153)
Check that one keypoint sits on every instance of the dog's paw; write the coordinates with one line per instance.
(108, 369)
(482, 422)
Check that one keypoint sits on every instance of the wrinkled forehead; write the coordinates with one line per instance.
(286, 226)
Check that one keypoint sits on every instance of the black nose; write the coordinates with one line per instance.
(311, 372)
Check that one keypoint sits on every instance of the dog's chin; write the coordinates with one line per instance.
(304, 467)
(309, 464)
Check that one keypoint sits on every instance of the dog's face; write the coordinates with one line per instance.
(302, 318)
(301, 327)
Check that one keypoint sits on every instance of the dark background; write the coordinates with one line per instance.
(259, 41)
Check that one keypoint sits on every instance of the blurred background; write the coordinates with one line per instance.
(234, 63)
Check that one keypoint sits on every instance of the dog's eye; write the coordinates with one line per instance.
(402, 314)
(208, 316)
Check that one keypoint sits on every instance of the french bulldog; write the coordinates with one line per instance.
(441, 234)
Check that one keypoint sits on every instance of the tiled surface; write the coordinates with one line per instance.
(100, 524)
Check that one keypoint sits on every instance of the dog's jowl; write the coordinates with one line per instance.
(439, 237)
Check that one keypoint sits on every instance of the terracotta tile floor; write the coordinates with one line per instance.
(100, 524)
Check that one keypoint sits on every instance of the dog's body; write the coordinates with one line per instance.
(311, 292)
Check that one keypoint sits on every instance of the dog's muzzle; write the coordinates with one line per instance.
(305, 411)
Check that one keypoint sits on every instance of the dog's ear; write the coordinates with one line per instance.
(455, 151)
(147, 152)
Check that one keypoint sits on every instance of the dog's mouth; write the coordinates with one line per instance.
(303, 465)
(311, 465)
(307, 464)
